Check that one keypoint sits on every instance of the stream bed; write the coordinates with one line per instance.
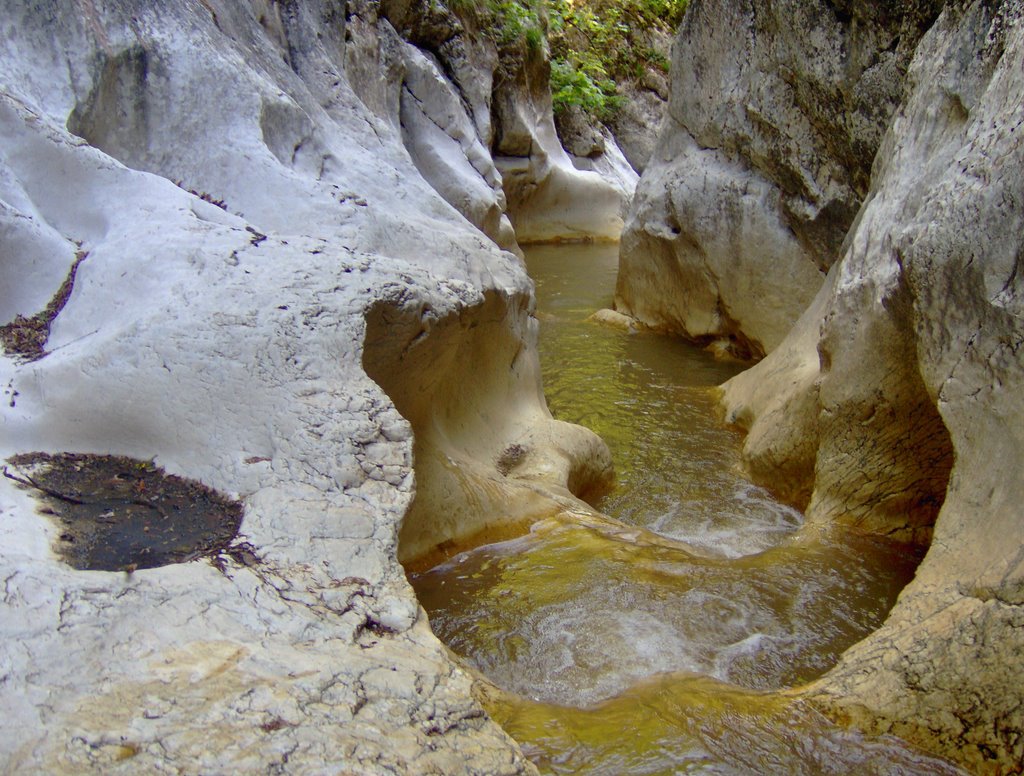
(665, 639)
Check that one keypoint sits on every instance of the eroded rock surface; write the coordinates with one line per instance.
(461, 96)
(775, 114)
(433, 83)
(549, 198)
(218, 326)
(899, 392)
(488, 455)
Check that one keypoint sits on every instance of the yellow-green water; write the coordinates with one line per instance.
(662, 641)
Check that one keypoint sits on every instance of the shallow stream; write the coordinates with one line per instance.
(664, 640)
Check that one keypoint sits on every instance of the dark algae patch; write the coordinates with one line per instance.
(123, 514)
(27, 336)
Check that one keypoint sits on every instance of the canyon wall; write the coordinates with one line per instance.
(637, 53)
(895, 403)
(549, 197)
(252, 196)
(471, 91)
(775, 113)
(474, 107)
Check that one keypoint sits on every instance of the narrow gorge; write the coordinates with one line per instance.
(325, 304)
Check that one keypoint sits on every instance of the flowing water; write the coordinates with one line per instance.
(662, 640)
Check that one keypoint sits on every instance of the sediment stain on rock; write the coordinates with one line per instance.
(122, 514)
(26, 335)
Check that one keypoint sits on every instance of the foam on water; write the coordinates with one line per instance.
(601, 628)
(746, 521)
(649, 398)
(575, 616)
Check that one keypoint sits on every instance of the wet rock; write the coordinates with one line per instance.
(614, 319)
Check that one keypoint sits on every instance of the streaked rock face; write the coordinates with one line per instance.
(775, 114)
(218, 326)
(896, 404)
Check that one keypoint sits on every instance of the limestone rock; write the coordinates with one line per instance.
(464, 427)
(631, 133)
(452, 34)
(459, 97)
(636, 124)
(615, 320)
(896, 400)
(549, 198)
(446, 149)
(775, 114)
(641, 90)
(219, 326)
(438, 104)
(580, 136)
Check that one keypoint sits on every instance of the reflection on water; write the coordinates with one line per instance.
(649, 397)
(677, 625)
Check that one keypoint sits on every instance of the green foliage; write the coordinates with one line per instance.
(658, 59)
(515, 21)
(585, 84)
(595, 43)
(534, 38)
(462, 6)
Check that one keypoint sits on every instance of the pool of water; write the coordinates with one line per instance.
(650, 398)
(662, 639)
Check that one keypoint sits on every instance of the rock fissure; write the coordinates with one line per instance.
(26, 336)
(476, 161)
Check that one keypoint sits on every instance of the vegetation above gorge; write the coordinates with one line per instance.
(596, 44)
(593, 44)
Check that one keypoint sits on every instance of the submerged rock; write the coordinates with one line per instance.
(895, 404)
(614, 319)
